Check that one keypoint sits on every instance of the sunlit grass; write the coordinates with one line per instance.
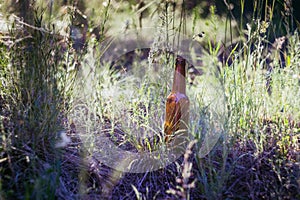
(244, 112)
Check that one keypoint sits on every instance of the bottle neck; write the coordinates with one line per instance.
(179, 76)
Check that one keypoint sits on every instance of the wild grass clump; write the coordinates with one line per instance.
(262, 98)
(35, 95)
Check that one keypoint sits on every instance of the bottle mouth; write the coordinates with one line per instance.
(180, 60)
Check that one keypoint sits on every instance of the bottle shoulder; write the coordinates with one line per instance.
(176, 96)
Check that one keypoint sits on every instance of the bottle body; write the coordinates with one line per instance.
(177, 104)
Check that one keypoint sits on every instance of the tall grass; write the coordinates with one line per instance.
(35, 93)
(253, 142)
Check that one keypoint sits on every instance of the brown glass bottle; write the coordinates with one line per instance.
(177, 105)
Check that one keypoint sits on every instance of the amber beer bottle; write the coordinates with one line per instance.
(177, 105)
